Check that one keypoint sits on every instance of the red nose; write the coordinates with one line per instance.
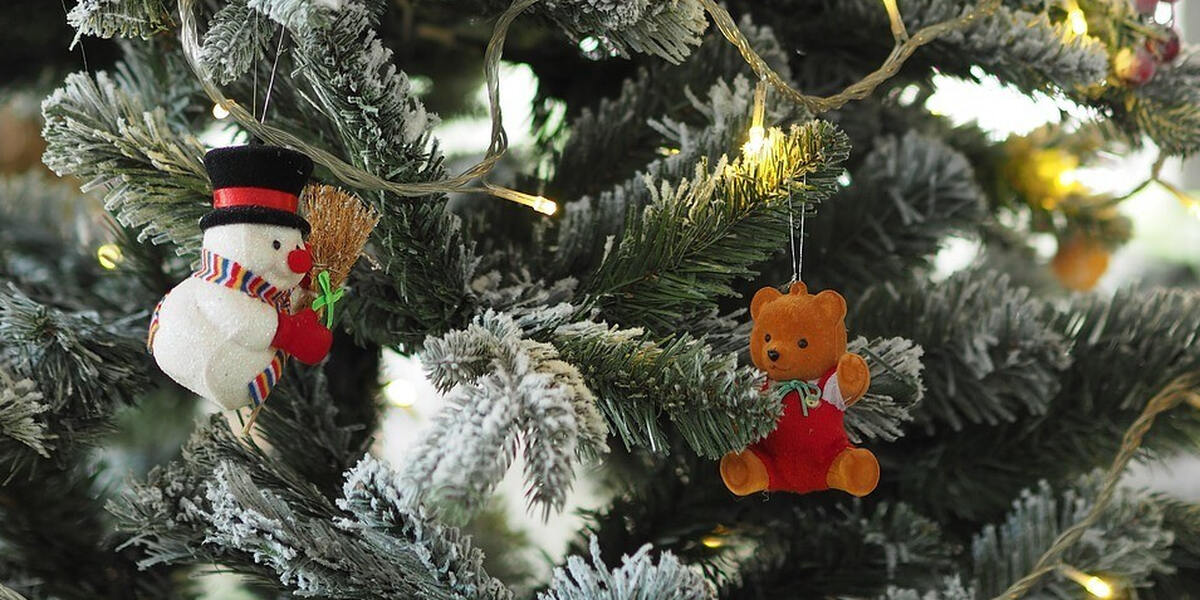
(300, 260)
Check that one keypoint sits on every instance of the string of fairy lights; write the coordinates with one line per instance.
(756, 147)
(359, 178)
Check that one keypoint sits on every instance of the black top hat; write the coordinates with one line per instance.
(256, 184)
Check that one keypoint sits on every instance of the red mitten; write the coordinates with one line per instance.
(302, 336)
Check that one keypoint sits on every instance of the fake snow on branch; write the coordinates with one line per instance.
(896, 388)
(20, 408)
(638, 578)
(231, 503)
(665, 29)
(124, 18)
(505, 391)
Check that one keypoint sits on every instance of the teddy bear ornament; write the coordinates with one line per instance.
(226, 331)
(799, 341)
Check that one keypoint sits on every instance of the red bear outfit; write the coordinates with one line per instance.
(799, 453)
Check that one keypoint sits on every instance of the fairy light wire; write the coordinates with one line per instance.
(498, 144)
(354, 176)
(855, 91)
(1180, 390)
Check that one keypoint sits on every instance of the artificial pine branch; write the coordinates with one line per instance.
(608, 141)
(505, 391)
(667, 30)
(990, 358)
(84, 370)
(1130, 543)
(20, 420)
(713, 403)
(697, 235)
(236, 39)
(582, 236)
(231, 503)
(124, 18)
(1099, 357)
(99, 131)
(907, 194)
(638, 578)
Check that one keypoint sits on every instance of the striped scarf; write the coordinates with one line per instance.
(227, 273)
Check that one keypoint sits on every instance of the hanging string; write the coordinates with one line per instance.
(792, 239)
(352, 175)
(797, 249)
(254, 88)
(800, 257)
(78, 38)
(274, 68)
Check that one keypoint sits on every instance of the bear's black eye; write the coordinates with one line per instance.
(768, 338)
(803, 343)
(275, 244)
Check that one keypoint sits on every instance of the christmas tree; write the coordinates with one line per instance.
(582, 303)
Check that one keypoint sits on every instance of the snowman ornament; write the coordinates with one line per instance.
(226, 332)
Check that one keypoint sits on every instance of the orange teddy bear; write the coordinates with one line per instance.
(799, 340)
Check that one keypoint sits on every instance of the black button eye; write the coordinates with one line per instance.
(768, 338)
(803, 343)
(275, 244)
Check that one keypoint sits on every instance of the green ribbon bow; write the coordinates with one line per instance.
(327, 298)
(810, 394)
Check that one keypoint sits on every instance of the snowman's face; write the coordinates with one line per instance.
(263, 249)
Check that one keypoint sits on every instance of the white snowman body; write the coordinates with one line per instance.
(215, 340)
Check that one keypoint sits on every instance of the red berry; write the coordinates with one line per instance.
(1134, 67)
(1164, 50)
(1145, 7)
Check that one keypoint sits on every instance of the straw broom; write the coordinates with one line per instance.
(341, 224)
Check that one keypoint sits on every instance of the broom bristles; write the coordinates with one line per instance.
(341, 224)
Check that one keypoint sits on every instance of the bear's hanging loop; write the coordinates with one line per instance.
(797, 249)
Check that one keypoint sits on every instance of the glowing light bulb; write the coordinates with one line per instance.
(220, 112)
(541, 204)
(544, 205)
(400, 393)
(109, 256)
(1191, 204)
(1094, 585)
(757, 141)
(1076, 20)
(1098, 587)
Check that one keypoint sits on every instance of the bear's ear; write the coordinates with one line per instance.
(761, 298)
(798, 289)
(832, 303)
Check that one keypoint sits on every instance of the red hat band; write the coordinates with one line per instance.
(255, 196)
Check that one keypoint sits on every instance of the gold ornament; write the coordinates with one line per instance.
(1045, 177)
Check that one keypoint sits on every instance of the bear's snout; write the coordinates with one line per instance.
(773, 354)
